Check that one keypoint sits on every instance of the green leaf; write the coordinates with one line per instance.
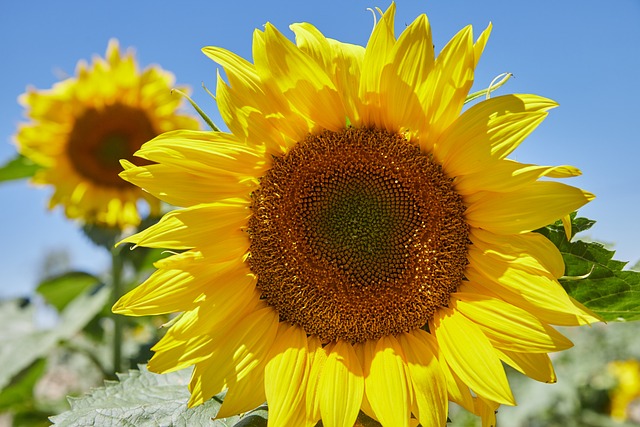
(593, 277)
(23, 343)
(18, 168)
(141, 399)
(19, 394)
(60, 290)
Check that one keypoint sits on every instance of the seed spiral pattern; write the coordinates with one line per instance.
(356, 235)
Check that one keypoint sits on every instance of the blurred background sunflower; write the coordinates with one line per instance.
(80, 129)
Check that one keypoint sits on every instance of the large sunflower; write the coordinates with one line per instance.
(81, 127)
(355, 242)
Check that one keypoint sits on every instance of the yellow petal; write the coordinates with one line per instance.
(194, 227)
(471, 355)
(534, 365)
(173, 354)
(341, 386)
(486, 410)
(520, 211)
(457, 391)
(205, 153)
(480, 44)
(445, 89)
(249, 102)
(215, 315)
(489, 129)
(238, 352)
(286, 375)
(566, 223)
(530, 251)
(507, 175)
(412, 60)
(386, 383)
(376, 57)
(180, 188)
(175, 289)
(536, 294)
(317, 360)
(427, 379)
(509, 327)
(299, 78)
(245, 393)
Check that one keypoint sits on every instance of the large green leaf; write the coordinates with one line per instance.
(23, 343)
(18, 168)
(62, 289)
(19, 394)
(593, 277)
(141, 399)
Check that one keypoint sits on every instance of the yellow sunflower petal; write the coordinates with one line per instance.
(490, 129)
(248, 106)
(317, 360)
(471, 355)
(245, 393)
(386, 383)
(530, 251)
(172, 290)
(531, 292)
(507, 175)
(376, 56)
(341, 386)
(286, 374)
(241, 350)
(534, 365)
(457, 391)
(341, 61)
(486, 410)
(445, 89)
(174, 354)
(509, 327)
(495, 211)
(427, 379)
(412, 60)
(309, 89)
(204, 153)
(176, 229)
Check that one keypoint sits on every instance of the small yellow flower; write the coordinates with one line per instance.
(81, 128)
(355, 242)
(627, 390)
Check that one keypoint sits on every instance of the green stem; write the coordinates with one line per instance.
(116, 288)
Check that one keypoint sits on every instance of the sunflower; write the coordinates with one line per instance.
(81, 127)
(625, 396)
(355, 242)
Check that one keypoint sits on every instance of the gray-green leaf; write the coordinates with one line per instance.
(23, 343)
(144, 399)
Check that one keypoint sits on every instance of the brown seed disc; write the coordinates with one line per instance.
(356, 235)
(100, 138)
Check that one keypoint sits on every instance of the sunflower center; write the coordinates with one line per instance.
(356, 235)
(101, 137)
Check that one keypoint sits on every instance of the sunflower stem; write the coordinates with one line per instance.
(116, 288)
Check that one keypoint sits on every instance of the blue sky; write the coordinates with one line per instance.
(583, 54)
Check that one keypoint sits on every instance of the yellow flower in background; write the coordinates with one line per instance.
(627, 390)
(81, 128)
(355, 242)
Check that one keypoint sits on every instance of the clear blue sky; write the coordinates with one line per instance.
(583, 54)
